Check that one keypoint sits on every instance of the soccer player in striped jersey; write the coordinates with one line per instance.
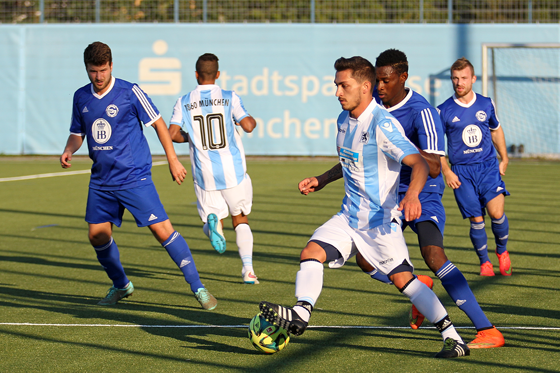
(473, 136)
(371, 145)
(110, 112)
(207, 118)
(423, 127)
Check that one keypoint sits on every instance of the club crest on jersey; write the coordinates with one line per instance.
(481, 116)
(472, 135)
(101, 131)
(112, 110)
(365, 137)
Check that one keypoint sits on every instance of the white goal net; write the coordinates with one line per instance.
(524, 82)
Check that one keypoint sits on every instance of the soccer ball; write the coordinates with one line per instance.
(266, 337)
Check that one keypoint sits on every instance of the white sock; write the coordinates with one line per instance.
(244, 240)
(309, 283)
(450, 332)
(303, 313)
(427, 302)
(206, 230)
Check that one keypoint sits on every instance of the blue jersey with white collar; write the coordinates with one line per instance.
(371, 149)
(468, 127)
(422, 125)
(112, 123)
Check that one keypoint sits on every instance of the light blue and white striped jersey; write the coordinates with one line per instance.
(370, 150)
(207, 114)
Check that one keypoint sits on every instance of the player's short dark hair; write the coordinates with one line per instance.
(97, 54)
(207, 66)
(394, 58)
(462, 63)
(362, 69)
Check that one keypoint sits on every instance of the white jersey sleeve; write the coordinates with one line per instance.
(177, 116)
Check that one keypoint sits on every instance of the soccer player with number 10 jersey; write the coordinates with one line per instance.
(207, 118)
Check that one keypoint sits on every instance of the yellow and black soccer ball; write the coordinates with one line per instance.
(266, 337)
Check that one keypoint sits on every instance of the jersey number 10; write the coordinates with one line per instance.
(212, 129)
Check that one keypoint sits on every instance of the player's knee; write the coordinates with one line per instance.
(434, 257)
(313, 251)
(98, 238)
(162, 230)
(239, 219)
(496, 214)
(363, 264)
(402, 279)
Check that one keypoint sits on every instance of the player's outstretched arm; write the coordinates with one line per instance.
(72, 145)
(315, 184)
(177, 134)
(499, 140)
(433, 161)
(411, 203)
(451, 179)
(248, 124)
(177, 170)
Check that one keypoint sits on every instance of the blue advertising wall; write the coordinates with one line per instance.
(283, 73)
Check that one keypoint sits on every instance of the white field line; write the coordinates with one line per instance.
(245, 326)
(56, 174)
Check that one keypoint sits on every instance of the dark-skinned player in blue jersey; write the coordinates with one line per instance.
(423, 127)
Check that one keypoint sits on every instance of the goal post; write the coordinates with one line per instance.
(524, 82)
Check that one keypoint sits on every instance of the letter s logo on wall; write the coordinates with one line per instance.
(149, 72)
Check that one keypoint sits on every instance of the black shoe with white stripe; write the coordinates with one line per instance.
(284, 317)
(452, 348)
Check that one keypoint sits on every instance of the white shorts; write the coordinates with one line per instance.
(383, 247)
(239, 199)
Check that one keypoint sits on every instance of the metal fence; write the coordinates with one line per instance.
(280, 11)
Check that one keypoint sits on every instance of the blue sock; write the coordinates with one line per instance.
(109, 257)
(500, 228)
(376, 275)
(480, 241)
(179, 251)
(458, 289)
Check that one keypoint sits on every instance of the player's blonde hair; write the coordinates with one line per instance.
(462, 63)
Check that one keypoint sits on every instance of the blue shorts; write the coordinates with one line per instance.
(432, 210)
(480, 183)
(142, 202)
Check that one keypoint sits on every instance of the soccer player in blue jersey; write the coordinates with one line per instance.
(473, 135)
(208, 118)
(423, 127)
(110, 112)
(371, 145)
